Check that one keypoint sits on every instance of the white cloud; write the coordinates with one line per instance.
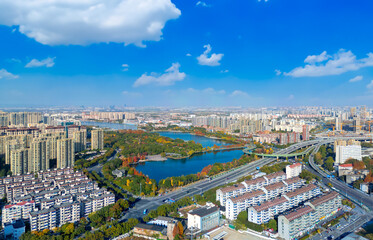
(188, 55)
(168, 78)
(341, 62)
(83, 22)
(48, 62)
(4, 74)
(278, 72)
(356, 79)
(125, 67)
(239, 93)
(317, 58)
(224, 71)
(202, 4)
(370, 85)
(209, 60)
(291, 97)
(263, 1)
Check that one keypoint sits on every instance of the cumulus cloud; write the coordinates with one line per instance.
(356, 79)
(48, 62)
(188, 55)
(224, 71)
(370, 85)
(341, 62)
(4, 74)
(278, 72)
(83, 22)
(239, 93)
(168, 78)
(125, 67)
(202, 4)
(208, 59)
(317, 58)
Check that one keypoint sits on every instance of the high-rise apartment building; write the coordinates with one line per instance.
(305, 133)
(80, 140)
(19, 161)
(97, 139)
(38, 155)
(65, 153)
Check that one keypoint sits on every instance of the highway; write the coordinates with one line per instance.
(204, 185)
(351, 193)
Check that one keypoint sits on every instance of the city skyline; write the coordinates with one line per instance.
(186, 53)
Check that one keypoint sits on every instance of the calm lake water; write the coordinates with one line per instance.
(114, 126)
(170, 167)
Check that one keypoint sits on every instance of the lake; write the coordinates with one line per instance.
(114, 126)
(171, 167)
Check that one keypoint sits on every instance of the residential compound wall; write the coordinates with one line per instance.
(297, 222)
(53, 198)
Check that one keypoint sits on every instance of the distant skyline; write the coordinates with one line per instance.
(177, 53)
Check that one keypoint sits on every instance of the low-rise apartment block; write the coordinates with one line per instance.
(52, 199)
(223, 194)
(269, 209)
(297, 222)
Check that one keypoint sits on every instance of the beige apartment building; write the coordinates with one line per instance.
(97, 139)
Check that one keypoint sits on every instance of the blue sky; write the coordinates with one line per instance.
(186, 52)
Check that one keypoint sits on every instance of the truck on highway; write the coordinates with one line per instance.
(257, 168)
(145, 211)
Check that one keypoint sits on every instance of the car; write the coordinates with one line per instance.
(145, 211)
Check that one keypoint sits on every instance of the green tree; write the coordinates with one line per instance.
(272, 224)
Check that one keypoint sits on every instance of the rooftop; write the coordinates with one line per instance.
(269, 204)
(232, 188)
(274, 186)
(293, 180)
(150, 227)
(297, 212)
(203, 211)
(301, 190)
(274, 175)
(295, 165)
(247, 195)
(323, 198)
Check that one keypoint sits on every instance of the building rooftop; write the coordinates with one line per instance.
(323, 198)
(269, 204)
(247, 195)
(255, 181)
(203, 211)
(274, 186)
(301, 190)
(297, 212)
(156, 228)
(346, 166)
(295, 165)
(293, 180)
(274, 175)
(16, 224)
(232, 188)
